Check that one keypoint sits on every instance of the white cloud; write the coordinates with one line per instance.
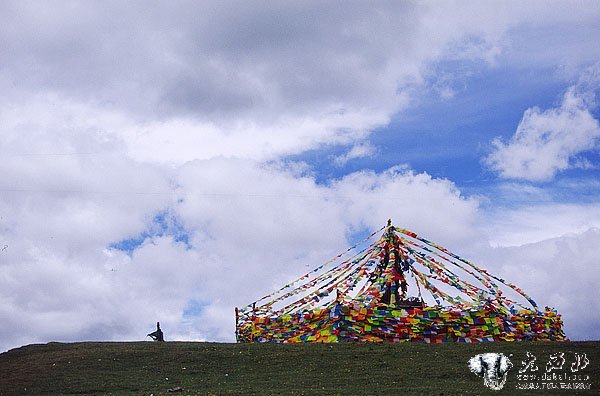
(538, 222)
(547, 142)
(413, 200)
(249, 252)
(110, 115)
(558, 272)
(67, 285)
(549, 251)
(180, 140)
(60, 282)
(360, 150)
(191, 81)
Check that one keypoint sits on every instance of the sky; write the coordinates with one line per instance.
(171, 160)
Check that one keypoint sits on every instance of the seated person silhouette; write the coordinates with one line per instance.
(158, 334)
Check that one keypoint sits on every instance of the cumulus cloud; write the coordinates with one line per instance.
(224, 79)
(141, 144)
(548, 250)
(66, 280)
(538, 222)
(360, 150)
(234, 250)
(558, 272)
(254, 81)
(547, 142)
(251, 251)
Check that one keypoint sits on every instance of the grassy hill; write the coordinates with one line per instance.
(144, 368)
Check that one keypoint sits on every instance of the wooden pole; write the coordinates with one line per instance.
(253, 322)
(237, 324)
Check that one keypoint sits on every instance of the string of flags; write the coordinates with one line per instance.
(362, 295)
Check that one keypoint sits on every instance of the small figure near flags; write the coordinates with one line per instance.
(158, 334)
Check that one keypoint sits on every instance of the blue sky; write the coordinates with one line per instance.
(168, 161)
(162, 224)
(449, 137)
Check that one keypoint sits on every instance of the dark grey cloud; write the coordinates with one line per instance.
(207, 59)
(215, 59)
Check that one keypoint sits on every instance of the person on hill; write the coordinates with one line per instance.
(158, 334)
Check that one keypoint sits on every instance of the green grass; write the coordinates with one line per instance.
(144, 368)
